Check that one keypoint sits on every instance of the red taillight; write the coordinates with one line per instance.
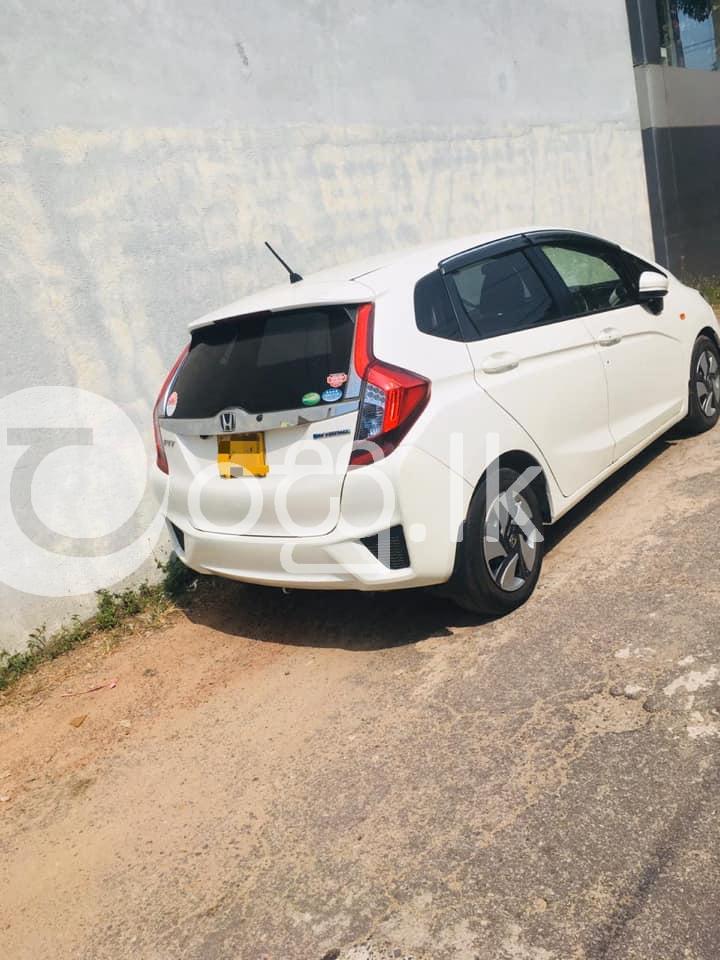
(391, 400)
(363, 355)
(161, 459)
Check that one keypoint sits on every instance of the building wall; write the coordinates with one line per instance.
(680, 119)
(148, 149)
(680, 116)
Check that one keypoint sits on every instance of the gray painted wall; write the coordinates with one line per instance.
(680, 118)
(147, 149)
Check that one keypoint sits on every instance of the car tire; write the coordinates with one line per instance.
(704, 387)
(499, 559)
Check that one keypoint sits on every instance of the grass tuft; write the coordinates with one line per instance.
(709, 287)
(115, 615)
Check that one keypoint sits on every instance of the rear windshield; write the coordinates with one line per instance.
(267, 362)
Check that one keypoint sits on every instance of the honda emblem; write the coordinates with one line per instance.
(227, 422)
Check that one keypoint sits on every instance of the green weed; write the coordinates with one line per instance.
(114, 612)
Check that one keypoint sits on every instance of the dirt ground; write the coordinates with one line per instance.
(339, 775)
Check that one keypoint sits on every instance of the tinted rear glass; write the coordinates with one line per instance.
(433, 311)
(267, 362)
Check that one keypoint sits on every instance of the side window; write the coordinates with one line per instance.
(635, 267)
(592, 279)
(434, 313)
(503, 294)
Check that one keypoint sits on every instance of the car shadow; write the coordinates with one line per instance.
(341, 619)
(353, 620)
(607, 489)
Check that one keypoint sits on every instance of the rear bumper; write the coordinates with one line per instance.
(429, 502)
(299, 563)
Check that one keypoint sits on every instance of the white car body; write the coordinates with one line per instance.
(579, 397)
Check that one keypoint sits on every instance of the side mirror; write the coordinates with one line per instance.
(652, 286)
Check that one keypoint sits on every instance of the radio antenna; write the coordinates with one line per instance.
(294, 277)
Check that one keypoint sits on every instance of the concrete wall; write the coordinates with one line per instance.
(149, 147)
(680, 119)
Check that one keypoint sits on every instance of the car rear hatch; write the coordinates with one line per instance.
(260, 417)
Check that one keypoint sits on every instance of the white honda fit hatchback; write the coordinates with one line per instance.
(418, 419)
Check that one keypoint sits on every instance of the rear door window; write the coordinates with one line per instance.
(267, 362)
(503, 294)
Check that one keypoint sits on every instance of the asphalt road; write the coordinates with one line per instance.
(326, 776)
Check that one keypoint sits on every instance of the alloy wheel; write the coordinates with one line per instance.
(707, 383)
(510, 541)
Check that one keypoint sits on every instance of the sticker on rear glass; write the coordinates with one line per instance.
(336, 379)
(171, 405)
(331, 395)
(310, 399)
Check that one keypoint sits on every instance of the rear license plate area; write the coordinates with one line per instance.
(242, 455)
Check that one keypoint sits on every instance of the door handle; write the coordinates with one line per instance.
(609, 337)
(499, 362)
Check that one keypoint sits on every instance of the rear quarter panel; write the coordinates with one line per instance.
(462, 426)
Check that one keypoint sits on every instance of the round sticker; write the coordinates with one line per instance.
(331, 395)
(310, 399)
(336, 379)
(171, 405)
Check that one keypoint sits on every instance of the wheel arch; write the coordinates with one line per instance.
(521, 460)
(518, 460)
(708, 332)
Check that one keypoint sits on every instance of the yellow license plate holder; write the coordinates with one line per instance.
(242, 455)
